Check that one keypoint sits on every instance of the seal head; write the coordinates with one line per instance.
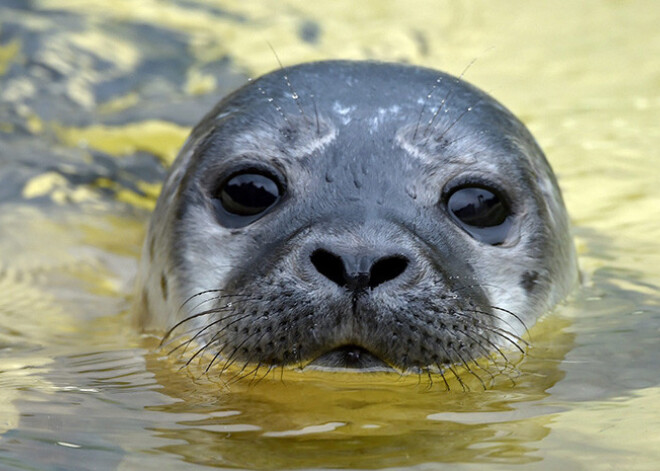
(356, 215)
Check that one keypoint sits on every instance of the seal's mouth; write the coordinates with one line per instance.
(349, 357)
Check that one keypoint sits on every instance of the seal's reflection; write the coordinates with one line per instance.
(313, 420)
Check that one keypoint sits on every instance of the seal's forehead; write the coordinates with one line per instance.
(371, 85)
(369, 96)
(373, 108)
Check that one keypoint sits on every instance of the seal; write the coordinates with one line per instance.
(361, 215)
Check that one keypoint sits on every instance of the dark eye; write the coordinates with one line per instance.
(244, 197)
(482, 213)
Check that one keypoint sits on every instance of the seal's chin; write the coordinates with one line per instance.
(349, 357)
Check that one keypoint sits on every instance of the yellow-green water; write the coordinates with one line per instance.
(97, 96)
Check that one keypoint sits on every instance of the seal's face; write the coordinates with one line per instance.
(363, 215)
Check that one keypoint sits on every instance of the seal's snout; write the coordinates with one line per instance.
(358, 271)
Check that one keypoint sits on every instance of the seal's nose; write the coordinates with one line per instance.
(358, 272)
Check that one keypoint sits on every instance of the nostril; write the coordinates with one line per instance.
(386, 269)
(356, 273)
(329, 265)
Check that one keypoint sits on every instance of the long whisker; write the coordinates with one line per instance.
(294, 94)
(493, 345)
(438, 81)
(467, 367)
(202, 313)
(252, 372)
(231, 359)
(496, 330)
(465, 111)
(444, 100)
(218, 298)
(514, 315)
(442, 375)
(249, 359)
(216, 337)
(270, 368)
(486, 353)
(449, 367)
(202, 330)
(495, 316)
(206, 312)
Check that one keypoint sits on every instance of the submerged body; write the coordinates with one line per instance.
(356, 214)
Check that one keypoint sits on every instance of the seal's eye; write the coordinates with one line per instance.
(244, 197)
(248, 194)
(482, 213)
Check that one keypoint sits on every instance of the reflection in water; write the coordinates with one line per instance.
(289, 419)
(94, 102)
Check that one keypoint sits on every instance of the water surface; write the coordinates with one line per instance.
(95, 100)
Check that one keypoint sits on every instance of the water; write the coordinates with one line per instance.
(95, 99)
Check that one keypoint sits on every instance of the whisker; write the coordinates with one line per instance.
(270, 368)
(449, 367)
(189, 318)
(442, 375)
(253, 371)
(272, 101)
(514, 315)
(493, 345)
(196, 336)
(198, 352)
(195, 316)
(294, 94)
(430, 378)
(505, 335)
(216, 336)
(236, 375)
(230, 359)
(217, 298)
(467, 367)
(495, 330)
(438, 81)
(465, 111)
(444, 100)
(487, 354)
(463, 385)
(215, 357)
(202, 293)
(495, 316)
(316, 114)
(258, 339)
